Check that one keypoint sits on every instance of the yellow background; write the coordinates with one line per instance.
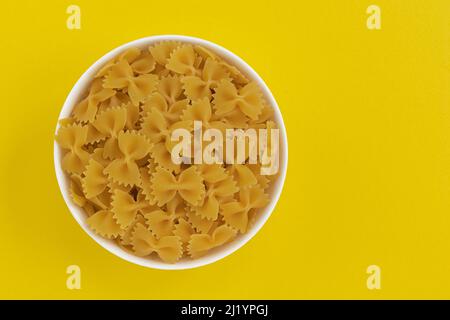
(368, 121)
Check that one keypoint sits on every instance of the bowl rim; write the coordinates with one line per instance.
(63, 181)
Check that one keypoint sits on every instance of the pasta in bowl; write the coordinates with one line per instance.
(171, 152)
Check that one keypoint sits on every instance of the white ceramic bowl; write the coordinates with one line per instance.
(80, 88)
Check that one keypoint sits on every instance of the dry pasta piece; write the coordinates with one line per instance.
(124, 170)
(157, 129)
(161, 71)
(112, 186)
(233, 119)
(206, 53)
(162, 157)
(168, 248)
(172, 113)
(215, 193)
(132, 116)
(184, 230)
(228, 98)
(198, 87)
(202, 243)
(76, 191)
(146, 184)
(110, 123)
(97, 155)
(236, 213)
(170, 87)
(162, 50)
(94, 181)
(189, 185)
(177, 207)
(72, 137)
(103, 223)
(200, 224)
(212, 173)
(105, 69)
(160, 223)
(127, 233)
(201, 110)
(120, 98)
(125, 208)
(183, 60)
(237, 76)
(266, 115)
(102, 200)
(139, 87)
(79, 198)
(243, 175)
(87, 108)
(93, 135)
(130, 55)
(144, 64)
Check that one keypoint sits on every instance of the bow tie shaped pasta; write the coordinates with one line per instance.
(163, 158)
(215, 194)
(162, 50)
(168, 248)
(138, 87)
(120, 98)
(248, 99)
(200, 224)
(184, 60)
(110, 122)
(171, 113)
(103, 223)
(124, 170)
(90, 205)
(144, 63)
(189, 185)
(212, 173)
(94, 181)
(77, 195)
(197, 87)
(236, 213)
(237, 76)
(157, 129)
(125, 208)
(201, 110)
(72, 138)
(201, 243)
(146, 184)
(161, 222)
(86, 110)
(126, 235)
(243, 175)
(128, 55)
(184, 230)
(170, 88)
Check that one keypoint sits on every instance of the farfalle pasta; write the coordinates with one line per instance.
(117, 151)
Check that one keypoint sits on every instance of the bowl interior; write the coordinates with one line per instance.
(218, 253)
